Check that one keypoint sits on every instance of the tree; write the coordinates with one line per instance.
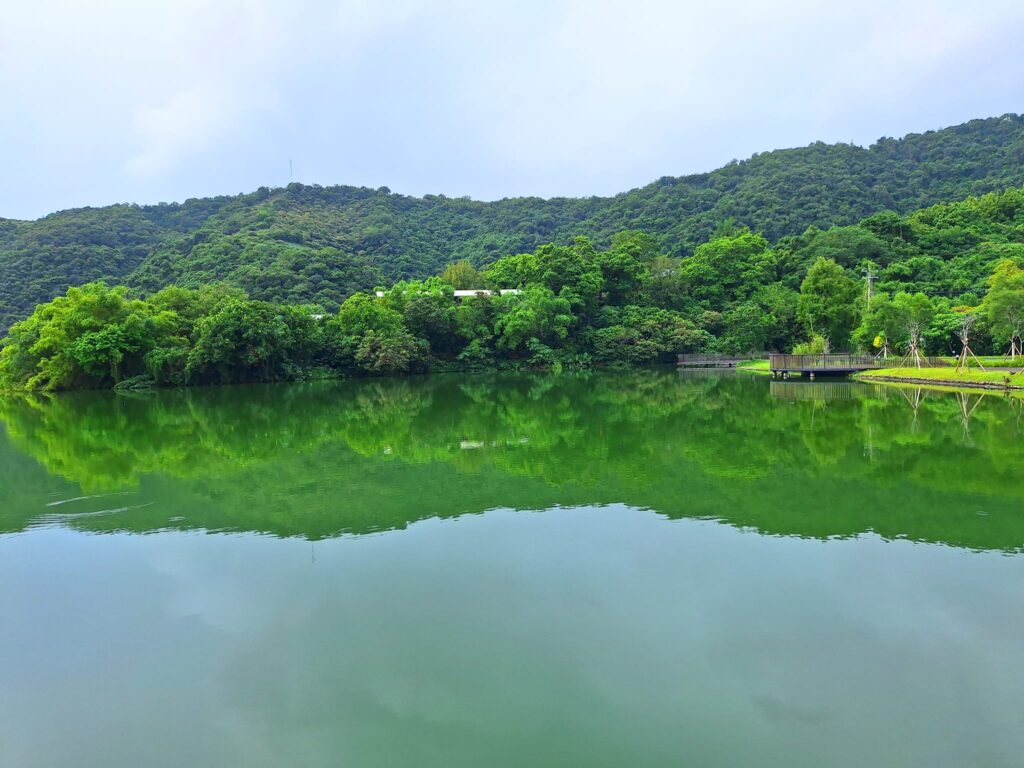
(92, 336)
(573, 273)
(887, 226)
(748, 328)
(779, 302)
(1003, 307)
(881, 326)
(622, 271)
(101, 353)
(462, 276)
(828, 302)
(514, 271)
(917, 312)
(245, 341)
(474, 323)
(941, 334)
(897, 323)
(727, 270)
(536, 313)
(849, 247)
(640, 335)
(360, 314)
(389, 352)
(428, 312)
(662, 288)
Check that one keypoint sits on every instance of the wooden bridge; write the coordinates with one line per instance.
(836, 365)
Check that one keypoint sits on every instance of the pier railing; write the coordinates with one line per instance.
(797, 363)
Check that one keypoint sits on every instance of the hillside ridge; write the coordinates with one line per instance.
(307, 243)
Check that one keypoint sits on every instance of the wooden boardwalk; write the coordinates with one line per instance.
(836, 365)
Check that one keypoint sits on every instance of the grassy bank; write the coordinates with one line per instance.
(970, 378)
(755, 366)
(990, 361)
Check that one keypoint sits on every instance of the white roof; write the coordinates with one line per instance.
(462, 294)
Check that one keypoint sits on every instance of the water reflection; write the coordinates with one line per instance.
(819, 459)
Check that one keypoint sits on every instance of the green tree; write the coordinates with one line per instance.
(360, 314)
(462, 276)
(627, 266)
(93, 336)
(728, 269)
(1003, 306)
(849, 247)
(428, 312)
(940, 334)
(389, 351)
(892, 321)
(828, 302)
(779, 302)
(573, 273)
(245, 341)
(638, 335)
(881, 326)
(748, 328)
(516, 271)
(537, 314)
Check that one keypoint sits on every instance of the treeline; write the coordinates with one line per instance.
(574, 305)
(316, 244)
(569, 305)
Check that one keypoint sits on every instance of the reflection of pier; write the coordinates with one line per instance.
(705, 373)
(823, 391)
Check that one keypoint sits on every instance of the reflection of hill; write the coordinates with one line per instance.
(321, 459)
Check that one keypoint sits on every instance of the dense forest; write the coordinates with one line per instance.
(558, 306)
(319, 245)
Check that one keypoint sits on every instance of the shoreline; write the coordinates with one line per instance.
(939, 383)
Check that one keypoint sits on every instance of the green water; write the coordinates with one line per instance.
(642, 569)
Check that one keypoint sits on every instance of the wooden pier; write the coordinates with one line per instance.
(836, 365)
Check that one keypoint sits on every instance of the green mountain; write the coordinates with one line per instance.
(319, 244)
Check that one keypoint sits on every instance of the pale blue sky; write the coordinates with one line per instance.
(147, 101)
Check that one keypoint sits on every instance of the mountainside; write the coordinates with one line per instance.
(566, 305)
(319, 244)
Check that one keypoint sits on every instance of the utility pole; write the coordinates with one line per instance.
(871, 278)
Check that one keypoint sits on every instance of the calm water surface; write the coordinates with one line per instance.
(642, 569)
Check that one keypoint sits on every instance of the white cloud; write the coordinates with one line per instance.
(191, 97)
(186, 124)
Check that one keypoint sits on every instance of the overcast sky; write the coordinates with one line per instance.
(144, 100)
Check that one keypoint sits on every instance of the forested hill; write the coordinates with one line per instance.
(319, 244)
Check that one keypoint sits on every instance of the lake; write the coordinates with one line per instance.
(650, 568)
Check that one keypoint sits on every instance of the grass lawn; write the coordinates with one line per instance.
(990, 361)
(754, 366)
(946, 376)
